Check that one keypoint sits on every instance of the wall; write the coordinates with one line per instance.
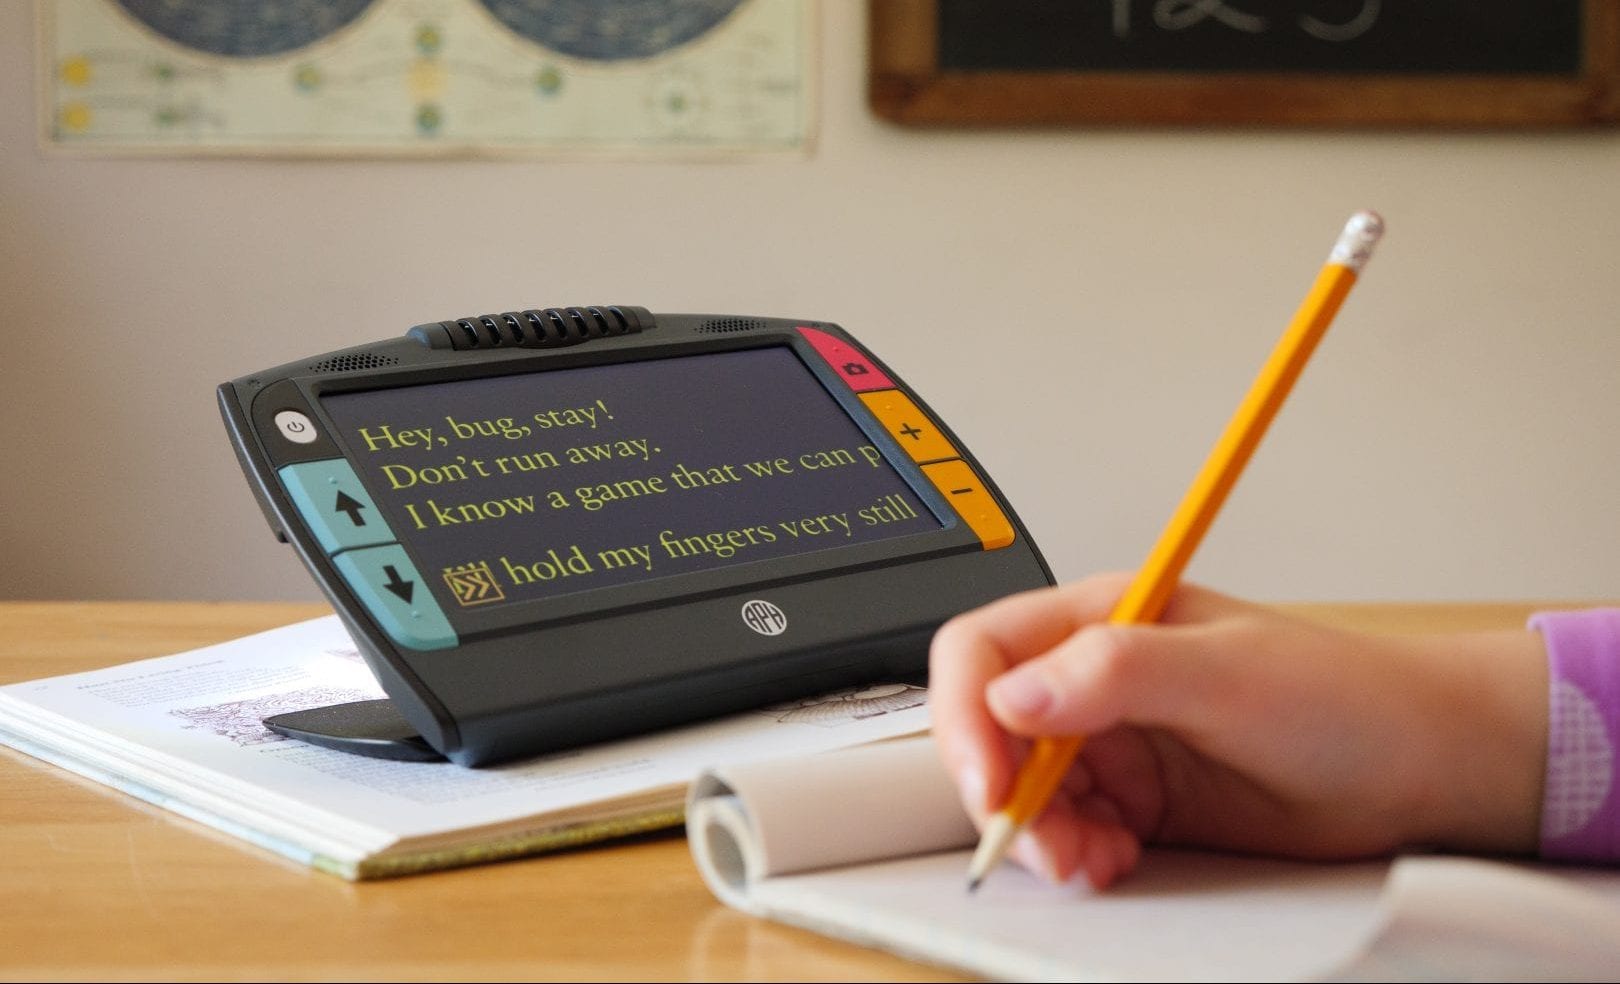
(1084, 307)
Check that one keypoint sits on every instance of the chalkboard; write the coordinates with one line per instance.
(1504, 63)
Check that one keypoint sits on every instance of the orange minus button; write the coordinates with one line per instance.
(972, 501)
(908, 425)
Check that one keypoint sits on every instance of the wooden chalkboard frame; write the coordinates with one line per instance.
(906, 85)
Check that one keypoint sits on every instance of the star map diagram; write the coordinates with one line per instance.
(425, 76)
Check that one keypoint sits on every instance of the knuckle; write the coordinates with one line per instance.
(1109, 657)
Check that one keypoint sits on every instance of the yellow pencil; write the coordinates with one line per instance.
(1144, 600)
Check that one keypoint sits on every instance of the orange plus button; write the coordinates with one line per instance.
(908, 425)
(972, 501)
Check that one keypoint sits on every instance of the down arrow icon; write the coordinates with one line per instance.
(399, 587)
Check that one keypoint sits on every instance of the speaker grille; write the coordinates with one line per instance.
(353, 361)
(725, 326)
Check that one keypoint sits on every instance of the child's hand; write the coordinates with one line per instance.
(1228, 725)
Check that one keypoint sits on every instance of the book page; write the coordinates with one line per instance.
(876, 869)
(185, 731)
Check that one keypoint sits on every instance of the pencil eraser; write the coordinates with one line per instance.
(1356, 242)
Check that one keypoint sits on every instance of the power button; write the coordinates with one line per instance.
(295, 427)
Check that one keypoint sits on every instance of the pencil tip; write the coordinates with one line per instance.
(998, 834)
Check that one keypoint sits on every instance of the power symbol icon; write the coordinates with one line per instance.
(295, 427)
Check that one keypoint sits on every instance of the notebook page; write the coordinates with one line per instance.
(1181, 916)
(1465, 919)
(823, 844)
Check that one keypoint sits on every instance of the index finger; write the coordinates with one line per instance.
(973, 649)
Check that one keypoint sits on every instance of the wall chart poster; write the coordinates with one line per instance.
(426, 77)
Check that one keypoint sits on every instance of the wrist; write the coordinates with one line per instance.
(1488, 730)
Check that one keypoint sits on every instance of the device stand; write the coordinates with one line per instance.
(373, 728)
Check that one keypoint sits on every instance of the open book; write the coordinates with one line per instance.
(184, 732)
(870, 845)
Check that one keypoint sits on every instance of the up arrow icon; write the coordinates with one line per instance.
(347, 504)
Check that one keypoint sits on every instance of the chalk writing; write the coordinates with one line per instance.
(1179, 15)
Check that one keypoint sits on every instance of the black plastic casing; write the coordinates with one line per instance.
(539, 676)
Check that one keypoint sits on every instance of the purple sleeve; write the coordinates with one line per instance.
(1580, 808)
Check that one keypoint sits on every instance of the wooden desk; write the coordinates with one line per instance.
(95, 885)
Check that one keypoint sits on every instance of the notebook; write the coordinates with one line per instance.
(184, 732)
(870, 845)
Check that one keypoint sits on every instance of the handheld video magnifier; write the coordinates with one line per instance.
(551, 527)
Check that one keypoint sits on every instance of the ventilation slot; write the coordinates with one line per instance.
(354, 362)
(540, 328)
(725, 326)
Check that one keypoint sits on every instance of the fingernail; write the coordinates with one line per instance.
(1037, 857)
(1023, 693)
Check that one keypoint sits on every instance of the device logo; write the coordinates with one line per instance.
(764, 617)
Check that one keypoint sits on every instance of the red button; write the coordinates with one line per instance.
(851, 364)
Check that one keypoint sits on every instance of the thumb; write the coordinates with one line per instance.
(1106, 675)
